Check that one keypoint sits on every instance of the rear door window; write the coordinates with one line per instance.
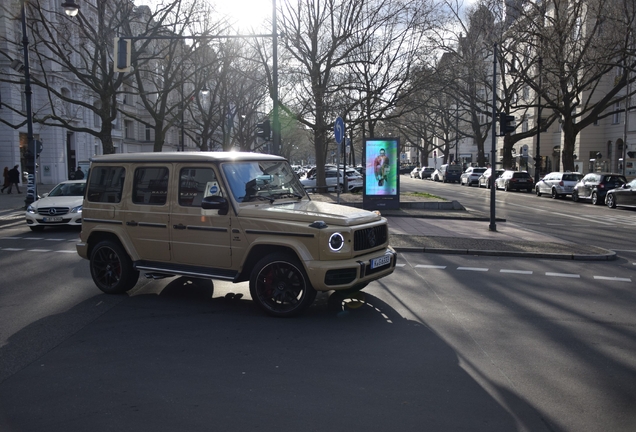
(150, 186)
(106, 184)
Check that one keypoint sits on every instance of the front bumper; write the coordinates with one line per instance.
(70, 219)
(351, 273)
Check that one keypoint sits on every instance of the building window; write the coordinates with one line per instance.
(524, 124)
(129, 129)
(148, 133)
(616, 117)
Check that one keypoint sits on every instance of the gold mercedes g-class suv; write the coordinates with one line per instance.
(231, 216)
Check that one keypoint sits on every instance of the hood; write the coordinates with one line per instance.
(61, 201)
(310, 211)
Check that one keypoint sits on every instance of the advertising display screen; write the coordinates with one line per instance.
(381, 188)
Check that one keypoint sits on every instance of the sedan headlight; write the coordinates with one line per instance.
(30, 209)
(77, 209)
(336, 241)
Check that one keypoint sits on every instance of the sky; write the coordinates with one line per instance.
(246, 13)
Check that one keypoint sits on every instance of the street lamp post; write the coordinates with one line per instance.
(71, 9)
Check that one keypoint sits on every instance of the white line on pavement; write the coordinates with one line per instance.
(32, 238)
(473, 269)
(568, 275)
(13, 249)
(38, 250)
(516, 271)
(74, 252)
(613, 278)
(430, 266)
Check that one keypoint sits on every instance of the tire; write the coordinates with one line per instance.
(554, 194)
(537, 191)
(506, 188)
(610, 200)
(280, 286)
(575, 196)
(37, 228)
(595, 199)
(111, 268)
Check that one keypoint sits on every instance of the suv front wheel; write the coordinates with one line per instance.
(279, 285)
(111, 268)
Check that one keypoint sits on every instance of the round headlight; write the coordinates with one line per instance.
(336, 241)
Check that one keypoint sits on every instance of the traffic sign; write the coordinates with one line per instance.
(35, 146)
(339, 130)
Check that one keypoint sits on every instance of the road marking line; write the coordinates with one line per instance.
(613, 278)
(400, 265)
(430, 266)
(32, 238)
(39, 250)
(568, 275)
(473, 269)
(54, 239)
(74, 252)
(516, 271)
(13, 249)
(11, 238)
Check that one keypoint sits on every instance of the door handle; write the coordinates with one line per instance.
(132, 223)
(179, 227)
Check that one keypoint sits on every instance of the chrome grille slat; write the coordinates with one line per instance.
(59, 211)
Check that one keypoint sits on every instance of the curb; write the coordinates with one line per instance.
(609, 256)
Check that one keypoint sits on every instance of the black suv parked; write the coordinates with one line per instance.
(594, 186)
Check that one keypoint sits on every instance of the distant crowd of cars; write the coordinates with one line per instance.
(611, 189)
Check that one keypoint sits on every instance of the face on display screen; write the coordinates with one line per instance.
(381, 169)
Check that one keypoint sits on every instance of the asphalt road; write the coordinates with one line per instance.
(446, 343)
(583, 223)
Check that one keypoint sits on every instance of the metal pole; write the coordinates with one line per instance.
(537, 169)
(27, 94)
(493, 132)
(627, 103)
(276, 120)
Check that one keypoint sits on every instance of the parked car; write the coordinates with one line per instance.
(515, 180)
(484, 179)
(594, 186)
(447, 173)
(426, 172)
(61, 206)
(558, 184)
(354, 181)
(471, 176)
(625, 196)
(415, 172)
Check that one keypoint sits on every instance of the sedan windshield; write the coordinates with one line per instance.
(262, 180)
(68, 189)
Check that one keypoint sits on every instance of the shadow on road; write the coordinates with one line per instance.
(183, 360)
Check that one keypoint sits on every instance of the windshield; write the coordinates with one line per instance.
(68, 189)
(262, 180)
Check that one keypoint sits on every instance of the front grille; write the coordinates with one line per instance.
(341, 276)
(369, 238)
(53, 211)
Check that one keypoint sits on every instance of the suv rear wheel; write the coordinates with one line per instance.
(280, 286)
(111, 268)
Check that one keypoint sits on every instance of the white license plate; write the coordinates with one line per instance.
(52, 219)
(382, 261)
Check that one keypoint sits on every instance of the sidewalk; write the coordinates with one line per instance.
(422, 225)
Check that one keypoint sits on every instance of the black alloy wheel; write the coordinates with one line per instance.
(280, 286)
(111, 268)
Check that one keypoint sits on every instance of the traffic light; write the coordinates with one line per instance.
(537, 162)
(122, 54)
(263, 130)
(506, 124)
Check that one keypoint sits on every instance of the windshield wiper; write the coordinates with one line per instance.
(288, 195)
(259, 197)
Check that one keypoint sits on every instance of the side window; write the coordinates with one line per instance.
(106, 184)
(196, 184)
(150, 186)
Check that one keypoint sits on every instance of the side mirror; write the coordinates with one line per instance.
(215, 203)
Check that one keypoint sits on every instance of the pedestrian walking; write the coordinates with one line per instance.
(79, 174)
(5, 175)
(14, 179)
